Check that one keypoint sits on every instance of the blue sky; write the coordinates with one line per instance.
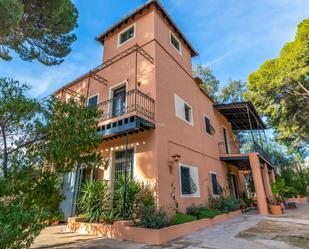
(233, 37)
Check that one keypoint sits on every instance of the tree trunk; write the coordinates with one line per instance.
(5, 155)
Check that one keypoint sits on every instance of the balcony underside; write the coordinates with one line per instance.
(130, 125)
(241, 161)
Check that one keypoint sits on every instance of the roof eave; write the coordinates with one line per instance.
(100, 38)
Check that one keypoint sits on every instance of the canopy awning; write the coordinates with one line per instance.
(242, 115)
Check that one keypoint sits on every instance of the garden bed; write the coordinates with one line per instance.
(298, 200)
(124, 229)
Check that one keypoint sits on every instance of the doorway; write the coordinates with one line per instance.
(235, 189)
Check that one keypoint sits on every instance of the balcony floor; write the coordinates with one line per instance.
(122, 126)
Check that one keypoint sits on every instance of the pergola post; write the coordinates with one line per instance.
(258, 183)
(265, 175)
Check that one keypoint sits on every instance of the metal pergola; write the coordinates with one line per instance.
(242, 115)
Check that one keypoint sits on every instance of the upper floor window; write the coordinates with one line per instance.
(93, 101)
(208, 126)
(183, 110)
(188, 112)
(175, 42)
(126, 35)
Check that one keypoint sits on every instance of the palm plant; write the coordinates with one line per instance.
(136, 192)
(95, 200)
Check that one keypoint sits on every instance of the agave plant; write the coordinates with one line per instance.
(136, 193)
(94, 201)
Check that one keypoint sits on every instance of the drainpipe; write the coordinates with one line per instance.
(125, 178)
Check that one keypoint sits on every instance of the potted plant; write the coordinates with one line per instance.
(56, 219)
(278, 188)
(275, 207)
(243, 204)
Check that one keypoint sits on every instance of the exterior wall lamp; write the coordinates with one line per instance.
(173, 162)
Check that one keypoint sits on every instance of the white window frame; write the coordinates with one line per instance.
(212, 188)
(205, 116)
(170, 38)
(123, 31)
(96, 94)
(195, 195)
(110, 170)
(184, 118)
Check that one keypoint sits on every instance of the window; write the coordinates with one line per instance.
(119, 101)
(93, 101)
(216, 189)
(189, 183)
(187, 113)
(208, 126)
(175, 42)
(183, 110)
(126, 35)
(121, 161)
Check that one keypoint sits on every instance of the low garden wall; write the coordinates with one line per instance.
(298, 200)
(124, 229)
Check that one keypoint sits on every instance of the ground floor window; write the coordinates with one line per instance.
(189, 183)
(216, 189)
(120, 163)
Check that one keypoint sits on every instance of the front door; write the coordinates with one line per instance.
(119, 101)
(235, 190)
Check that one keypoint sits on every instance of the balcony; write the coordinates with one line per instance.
(131, 112)
(233, 148)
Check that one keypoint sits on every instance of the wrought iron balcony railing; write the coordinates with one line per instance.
(236, 148)
(132, 102)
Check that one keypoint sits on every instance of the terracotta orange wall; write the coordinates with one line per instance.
(143, 144)
(144, 33)
(171, 135)
(175, 136)
(162, 29)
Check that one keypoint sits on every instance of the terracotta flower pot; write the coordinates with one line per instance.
(55, 223)
(276, 209)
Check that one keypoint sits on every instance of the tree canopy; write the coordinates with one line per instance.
(39, 140)
(233, 92)
(209, 81)
(280, 90)
(60, 133)
(37, 30)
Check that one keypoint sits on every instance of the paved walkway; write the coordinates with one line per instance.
(249, 231)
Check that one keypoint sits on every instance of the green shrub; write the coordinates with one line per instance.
(195, 210)
(230, 204)
(151, 217)
(209, 213)
(181, 218)
(95, 200)
(19, 224)
(48, 183)
(201, 212)
(224, 204)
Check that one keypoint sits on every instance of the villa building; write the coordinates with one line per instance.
(159, 123)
